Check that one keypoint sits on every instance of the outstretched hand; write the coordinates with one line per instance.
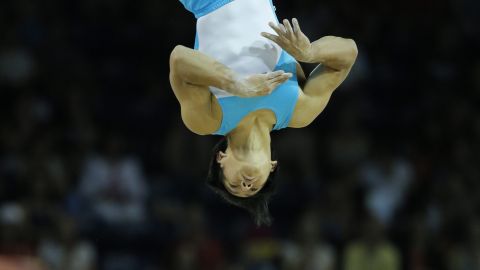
(291, 39)
(259, 84)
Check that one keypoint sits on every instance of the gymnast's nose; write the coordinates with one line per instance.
(246, 185)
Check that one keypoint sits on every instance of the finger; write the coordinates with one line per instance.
(271, 37)
(281, 76)
(262, 93)
(296, 26)
(265, 91)
(277, 28)
(281, 79)
(289, 29)
(275, 74)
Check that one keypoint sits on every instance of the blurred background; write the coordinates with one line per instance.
(97, 171)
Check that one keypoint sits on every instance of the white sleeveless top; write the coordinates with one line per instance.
(231, 35)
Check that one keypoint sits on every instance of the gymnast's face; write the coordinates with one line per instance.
(244, 177)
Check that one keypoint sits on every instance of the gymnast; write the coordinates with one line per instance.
(241, 81)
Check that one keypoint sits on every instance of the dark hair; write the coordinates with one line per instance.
(256, 205)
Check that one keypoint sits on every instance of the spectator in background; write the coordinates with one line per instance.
(12, 165)
(17, 65)
(45, 172)
(113, 186)
(66, 250)
(308, 251)
(386, 179)
(16, 239)
(417, 254)
(197, 249)
(372, 251)
(348, 145)
(261, 250)
(20, 263)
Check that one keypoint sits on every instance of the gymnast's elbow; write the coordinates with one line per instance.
(346, 56)
(351, 52)
(178, 56)
(342, 54)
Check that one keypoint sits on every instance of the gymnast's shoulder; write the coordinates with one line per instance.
(202, 119)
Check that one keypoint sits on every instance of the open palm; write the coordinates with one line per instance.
(291, 39)
(260, 84)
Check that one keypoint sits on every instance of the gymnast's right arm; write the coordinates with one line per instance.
(197, 69)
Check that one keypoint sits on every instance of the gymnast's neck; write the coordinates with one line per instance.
(252, 135)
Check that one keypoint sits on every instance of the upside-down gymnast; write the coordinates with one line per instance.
(241, 81)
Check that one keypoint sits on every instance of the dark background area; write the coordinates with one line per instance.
(98, 172)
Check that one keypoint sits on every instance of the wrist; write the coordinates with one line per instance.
(233, 83)
(228, 79)
(308, 56)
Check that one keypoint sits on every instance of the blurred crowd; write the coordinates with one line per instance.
(98, 172)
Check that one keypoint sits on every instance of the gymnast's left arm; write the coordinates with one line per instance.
(333, 52)
(335, 57)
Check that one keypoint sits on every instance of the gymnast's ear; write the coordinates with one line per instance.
(220, 156)
(274, 165)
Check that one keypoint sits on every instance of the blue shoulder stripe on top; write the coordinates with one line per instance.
(202, 7)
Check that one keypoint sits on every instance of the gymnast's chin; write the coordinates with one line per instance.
(244, 176)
